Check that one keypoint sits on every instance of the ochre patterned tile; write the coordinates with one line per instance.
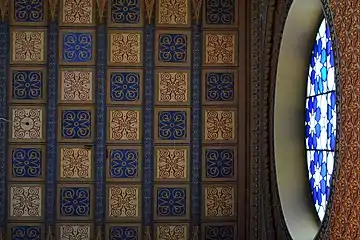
(75, 163)
(28, 84)
(28, 46)
(172, 125)
(123, 231)
(220, 14)
(25, 231)
(220, 48)
(26, 163)
(69, 231)
(125, 48)
(30, 13)
(172, 86)
(123, 202)
(125, 86)
(173, 231)
(26, 202)
(123, 163)
(222, 230)
(76, 85)
(172, 202)
(124, 125)
(77, 46)
(219, 201)
(172, 48)
(75, 202)
(173, 13)
(126, 13)
(76, 124)
(219, 125)
(77, 13)
(172, 163)
(27, 124)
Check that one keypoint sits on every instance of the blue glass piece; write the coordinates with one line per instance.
(320, 119)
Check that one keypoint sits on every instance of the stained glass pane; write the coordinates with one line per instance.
(320, 119)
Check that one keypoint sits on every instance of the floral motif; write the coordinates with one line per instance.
(172, 125)
(173, 87)
(77, 47)
(25, 201)
(220, 48)
(171, 202)
(173, 12)
(219, 125)
(26, 162)
(219, 86)
(172, 48)
(76, 124)
(26, 232)
(219, 201)
(28, 46)
(76, 85)
(223, 232)
(123, 202)
(219, 163)
(171, 163)
(125, 11)
(27, 123)
(125, 125)
(72, 232)
(74, 201)
(123, 233)
(125, 86)
(124, 163)
(171, 232)
(28, 11)
(220, 12)
(77, 12)
(27, 85)
(75, 163)
(125, 47)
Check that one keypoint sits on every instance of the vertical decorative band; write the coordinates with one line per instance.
(51, 123)
(100, 122)
(196, 125)
(148, 125)
(4, 58)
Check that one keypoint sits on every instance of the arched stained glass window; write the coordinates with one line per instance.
(320, 121)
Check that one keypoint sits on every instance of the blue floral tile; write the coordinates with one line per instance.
(75, 202)
(27, 85)
(26, 163)
(76, 124)
(219, 164)
(123, 164)
(28, 12)
(122, 231)
(125, 13)
(220, 86)
(26, 231)
(219, 231)
(125, 86)
(220, 13)
(172, 202)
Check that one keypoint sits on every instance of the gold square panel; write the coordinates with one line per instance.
(125, 13)
(123, 202)
(26, 163)
(25, 231)
(215, 230)
(125, 86)
(172, 86)
(27, 85)
(220, 201)
(77, 13)
(134, 229)
(166, 231)
(26, 201)
(172, 163)
(67, 231)
(219, 125)
(124, 163)
(220, 48)
(77, 85)
(33, 13)
(172, 125)
(125, 48)
(124, 125)
(220, 86)
(173, 13)
(75, 163)
(76, 124)
(27, 124)
(28, 46)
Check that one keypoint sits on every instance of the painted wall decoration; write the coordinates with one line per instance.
(123, 119)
